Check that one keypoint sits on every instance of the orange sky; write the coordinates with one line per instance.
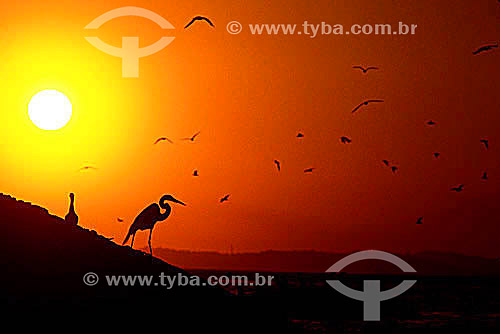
(249, 96)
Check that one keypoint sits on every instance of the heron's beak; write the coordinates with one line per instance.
(177, 201)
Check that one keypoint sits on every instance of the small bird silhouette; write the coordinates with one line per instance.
(485, 142)
(431, 123)
(386, 162)
(163, 139)
(120, 220)
(300, 135)
(224, 199)
(419, 220)
(365, 103)
(436, 155)
(309, 170)
(278, 165)
(458, 188)
(365, 69)
(195, 173)
(199, 18)
(394, 169)
(87, 168)
(484, 176)
(193, 137)
(71, 217)
(345, 140)
(485, 48)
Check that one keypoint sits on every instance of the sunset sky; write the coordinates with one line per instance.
(250, 95)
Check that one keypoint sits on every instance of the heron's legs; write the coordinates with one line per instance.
(132, 244)
(149, 242)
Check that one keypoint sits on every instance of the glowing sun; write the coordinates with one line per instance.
(50, 109)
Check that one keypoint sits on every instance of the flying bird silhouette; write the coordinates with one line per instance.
(147, 219)
(431, 123)
(484, 176)
(87, 168)
(119, 220)
(436, 155)
(394, 169)
(163, 139)
(71, 217)
(420, 221)
(458, 188)
(345, 140)
(300, 135)
(386, 162)
(193, 137)
(365, 103)
(485, 48)
(199, 18)
(309, 170)
(485, 142)
(195, 173)
(365, 69)
(224, 199)
(278, 165)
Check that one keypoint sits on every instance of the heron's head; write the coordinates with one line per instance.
(171, 199)
(72, 196)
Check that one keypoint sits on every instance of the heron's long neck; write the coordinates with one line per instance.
(167, 208)
(72, 205)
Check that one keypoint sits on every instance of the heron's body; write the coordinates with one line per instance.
(71, 217)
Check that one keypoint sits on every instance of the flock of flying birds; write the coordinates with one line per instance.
(343, 139)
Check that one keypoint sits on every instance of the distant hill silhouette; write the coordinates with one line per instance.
(425, 263)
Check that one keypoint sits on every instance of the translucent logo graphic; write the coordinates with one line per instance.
(371, 296)
(130, 52)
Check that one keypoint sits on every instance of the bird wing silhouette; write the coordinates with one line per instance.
(372, 68)
(359, 67)
(359, 106)
(208, 21)
(191, 22)
(195, 135)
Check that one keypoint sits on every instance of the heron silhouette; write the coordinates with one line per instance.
(71, 217)
(147, 219)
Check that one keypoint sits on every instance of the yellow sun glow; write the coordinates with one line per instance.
(50, 110)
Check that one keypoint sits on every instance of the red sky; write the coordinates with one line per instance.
(249, 96)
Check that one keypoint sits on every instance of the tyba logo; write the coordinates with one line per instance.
(130, 51)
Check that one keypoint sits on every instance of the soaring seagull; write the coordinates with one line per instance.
(365, 69)
(458, 188)
(394, 169)
(484, 176)
(386, 162)
(278, 165)
(195, 173)
(365, 103)
(485, 48)
(345, 140)
(199, 18)
(436, 155)
(87, 168)
(120, 220)
(300, 135)
(485, 142)
(163, 139)
(431, 123)
(224, 199)
(419, 221)
(193, 137)
(309, 170)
